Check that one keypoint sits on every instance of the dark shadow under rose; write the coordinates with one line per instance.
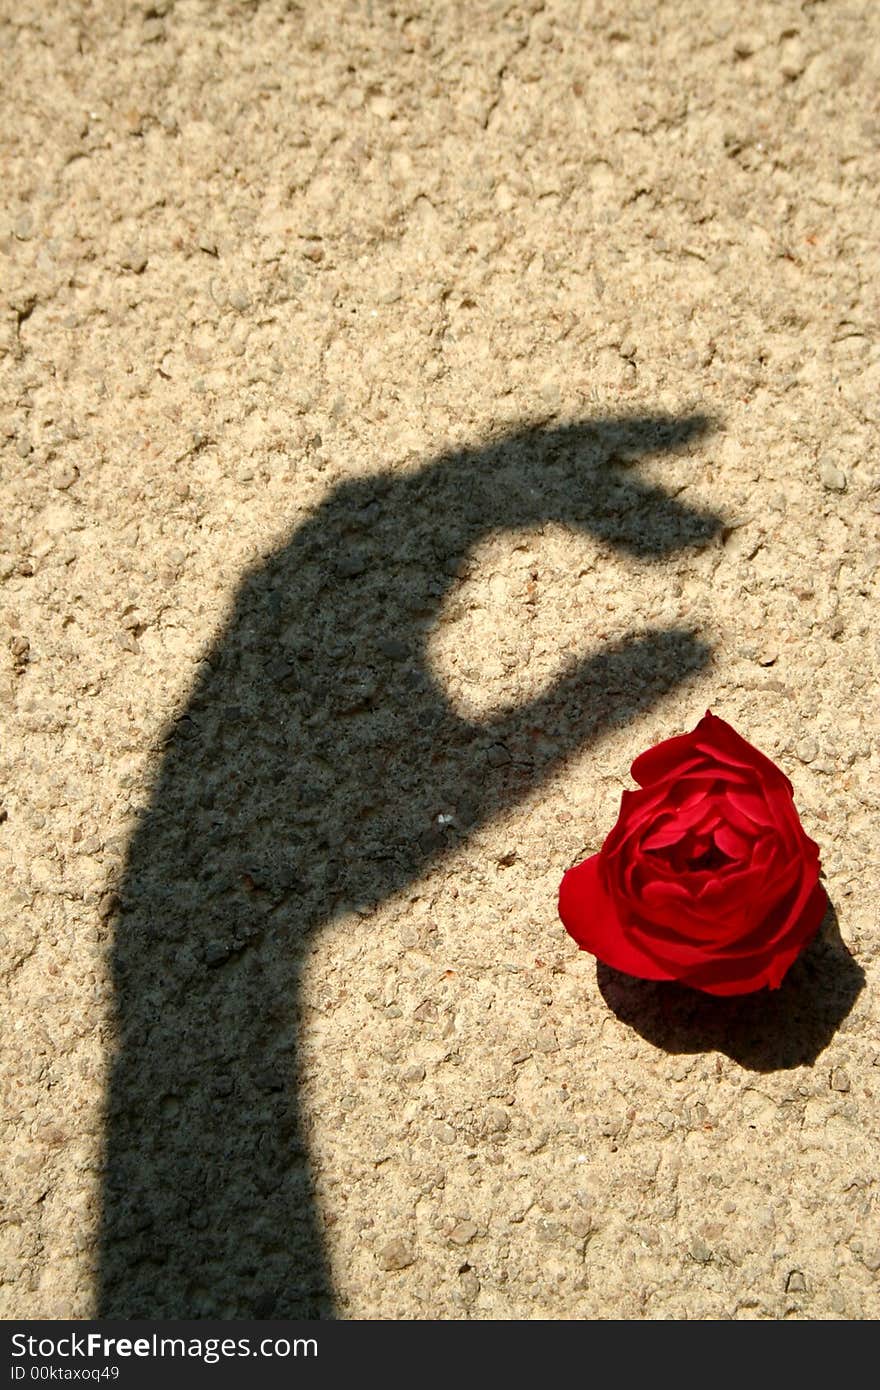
(769, 1030)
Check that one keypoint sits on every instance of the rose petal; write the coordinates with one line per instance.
(720, 740)
(762, 969)
(770, 930)
(668, 832)
(675, 756)
(691, 791)
(726, 903)
(671, 913)
(785, 913)
(786, 823)
(590, 917)
(713, 741)
(730, 841)
(699, 818)
(751, 805)
(637, 809)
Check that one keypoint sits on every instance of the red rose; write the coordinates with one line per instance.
(708, 877)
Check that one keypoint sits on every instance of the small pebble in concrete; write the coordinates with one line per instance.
(833, 478)
(395, 1254)
(65, 477)
(463, 1233)
(134, 259)
(498, 755)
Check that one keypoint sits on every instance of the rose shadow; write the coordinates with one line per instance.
(770, 1030)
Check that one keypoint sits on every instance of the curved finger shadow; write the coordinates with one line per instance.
(770, 1030)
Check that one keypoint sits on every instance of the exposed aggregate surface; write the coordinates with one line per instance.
(408, 414)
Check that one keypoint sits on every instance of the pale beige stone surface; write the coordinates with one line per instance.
(280, 283)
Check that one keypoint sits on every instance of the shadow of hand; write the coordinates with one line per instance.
(316, 750)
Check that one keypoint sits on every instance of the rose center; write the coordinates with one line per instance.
(711, 858)
(694, 854)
